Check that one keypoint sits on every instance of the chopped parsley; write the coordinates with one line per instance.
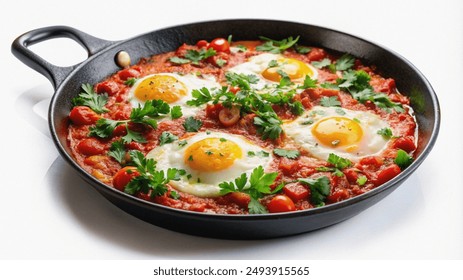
(176, 112)
(291, 154)
(338, 162)
(167, 137)
(403, 159)
(361, 180)
(91, 99)
(192, 125)
(275, 46)
(117, 151)
(386, 132)
(193, 56)
(322, 64)
(130, 81)
(259, 154)
(319, 189)
(331, 101)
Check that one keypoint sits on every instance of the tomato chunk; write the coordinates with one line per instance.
(90, 147)
(387, 174)
(281, 203)
(296, 191)
(124, 176)
(129, 73)
(82, 115)
(109, 87)
(405, 143)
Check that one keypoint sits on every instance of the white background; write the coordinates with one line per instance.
(48, 212)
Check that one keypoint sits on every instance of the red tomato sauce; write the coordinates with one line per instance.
(92, 152)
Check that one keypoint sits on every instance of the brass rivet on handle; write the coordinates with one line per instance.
(123, 59)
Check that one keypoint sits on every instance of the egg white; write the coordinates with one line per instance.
(190, 81)
(203, 183)
(371, 143)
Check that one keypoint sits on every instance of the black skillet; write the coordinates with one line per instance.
(101, 63)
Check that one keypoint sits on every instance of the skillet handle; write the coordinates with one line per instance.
(55, 74)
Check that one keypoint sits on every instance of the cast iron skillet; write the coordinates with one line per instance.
(101, 63)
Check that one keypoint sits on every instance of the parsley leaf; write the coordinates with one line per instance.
(386, 132)
(178, 60)
(338, 162)
(167, 137)
(201, 96)
(345, 62)
(117, 151)
(331, 101)
(258, 185)
(319, 189)
(192, 125)
(403, 159)
(274, 46)
(133, 136)
(291, 154)
(308, 83)
(242, 81)
(196, 56)
(268, 125)
(322, 64)
(91, 99)
(103, 128)
(150, 181)
(255, 207)
(193, 56)
(357, 84)
(150, 110)
(176, 112)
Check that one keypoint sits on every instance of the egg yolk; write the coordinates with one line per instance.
(161, 87)
(295, 69)
(338, 132)
(212, 154)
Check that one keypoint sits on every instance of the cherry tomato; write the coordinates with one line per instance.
(90, 147)
(128, 73)
(109, 87)
(281, 203)
(296, 191)
(229, 116)
(81, 115)
(220, 45)
(202, 44)
(387, 174)
(124, 176)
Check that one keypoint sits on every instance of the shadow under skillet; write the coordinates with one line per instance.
(101, 218)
